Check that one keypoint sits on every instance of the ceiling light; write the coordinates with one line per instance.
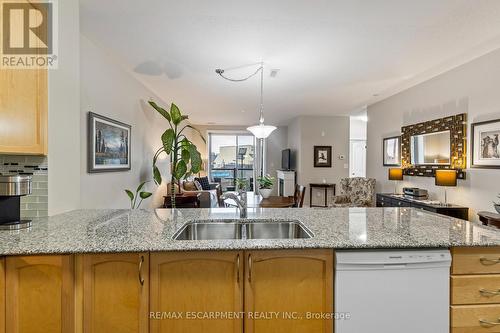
(260, 131)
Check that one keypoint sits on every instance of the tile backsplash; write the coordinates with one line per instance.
(36, 204)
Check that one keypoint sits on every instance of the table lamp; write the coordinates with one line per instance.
(397, 175)
(446, 178)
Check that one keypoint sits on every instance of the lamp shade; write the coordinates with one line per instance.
(395, 174)
(446, 178)
(261, 131)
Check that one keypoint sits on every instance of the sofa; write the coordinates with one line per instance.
(356, 192)
(209, 198)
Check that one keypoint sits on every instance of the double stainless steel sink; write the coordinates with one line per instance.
(242, 229)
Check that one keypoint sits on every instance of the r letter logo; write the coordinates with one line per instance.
(28, 34)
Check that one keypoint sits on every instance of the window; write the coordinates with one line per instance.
(231, 157)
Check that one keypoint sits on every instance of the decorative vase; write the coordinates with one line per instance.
(265, 192)
(497, 207)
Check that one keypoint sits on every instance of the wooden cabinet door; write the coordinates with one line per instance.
(283, 286)
(23, 111)
(188, 286)
(2, 295)
(23, 108)
(114, 298)
(39, 294)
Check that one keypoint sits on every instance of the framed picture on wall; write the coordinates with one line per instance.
(392, 151)
(484, 146)
(108, 144)
(322, 156)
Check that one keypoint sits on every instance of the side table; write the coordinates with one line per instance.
(489, 218)
(183, 200)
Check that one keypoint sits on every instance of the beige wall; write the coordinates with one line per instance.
(471, 88)
(276, 142)
(304, 133)
(107, 89)
(64, 115)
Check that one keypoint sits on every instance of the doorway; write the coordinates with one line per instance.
(357, 163)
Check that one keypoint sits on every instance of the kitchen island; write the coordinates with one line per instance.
(122, 271)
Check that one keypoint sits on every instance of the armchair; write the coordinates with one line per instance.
(356, 192)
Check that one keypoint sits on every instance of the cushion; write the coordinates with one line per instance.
(205, 184)
(197, 186)
(190, 186)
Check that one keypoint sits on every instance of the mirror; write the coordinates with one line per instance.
(431, 148)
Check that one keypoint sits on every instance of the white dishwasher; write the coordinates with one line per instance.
(392, 291)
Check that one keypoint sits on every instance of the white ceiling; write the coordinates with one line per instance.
(333, 56)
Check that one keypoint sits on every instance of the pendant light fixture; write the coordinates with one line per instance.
(260, 131)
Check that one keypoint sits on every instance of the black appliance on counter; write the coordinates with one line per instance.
(12, 188)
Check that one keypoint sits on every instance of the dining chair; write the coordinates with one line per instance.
(298, 196)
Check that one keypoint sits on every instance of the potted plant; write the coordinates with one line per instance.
(497, 205)
(266, 184)
(185, 159)
(241, 184)
(138, 194)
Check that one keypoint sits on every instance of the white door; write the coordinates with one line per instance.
(357, 163)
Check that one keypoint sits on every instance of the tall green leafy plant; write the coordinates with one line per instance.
(185, 159)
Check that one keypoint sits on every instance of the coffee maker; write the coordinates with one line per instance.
(12, 188)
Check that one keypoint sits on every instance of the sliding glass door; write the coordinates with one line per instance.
(231, 157)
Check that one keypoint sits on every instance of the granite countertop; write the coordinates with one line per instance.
(96, 231)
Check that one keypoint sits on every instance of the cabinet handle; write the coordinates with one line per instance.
(489, 293)
(238, 268)
(487, 261)
(141, 279)
(488, 323)
(250, 268)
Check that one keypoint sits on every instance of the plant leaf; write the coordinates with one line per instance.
(195, 159)
(130, 194)
(167, 139)
(145, 195)
(197, 131)
(175, 113)
(180, 170)
(160, 110)
(185, 155)
(140, 186)
(156, 175)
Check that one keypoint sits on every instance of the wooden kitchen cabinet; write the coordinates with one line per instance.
(23, 107)
(289, 283)
(194, 284)
(475, 282)
(23, 111)
(39, 294)
(115, 292)
(2, 295)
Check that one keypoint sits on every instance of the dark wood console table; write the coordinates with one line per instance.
(325, 186)
(398, 200)
(184, 200)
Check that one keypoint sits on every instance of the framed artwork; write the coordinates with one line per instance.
(485, 149)
(322, 156)
(392, 151)
(108, 144)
